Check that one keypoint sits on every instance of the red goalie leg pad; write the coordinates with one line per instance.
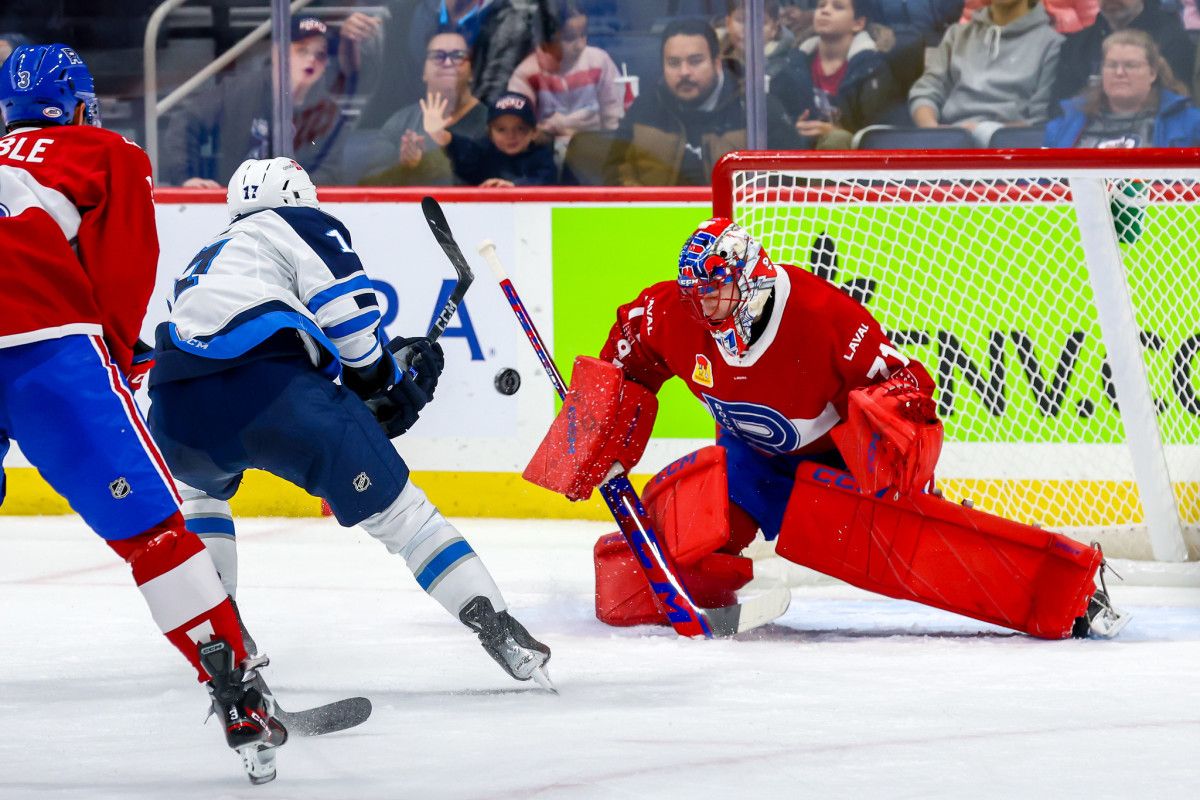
(931, 551)
(176, 577)
(605, 419)
(624, 597)
(688, 504)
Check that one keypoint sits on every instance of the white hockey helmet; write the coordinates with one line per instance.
(269, 183)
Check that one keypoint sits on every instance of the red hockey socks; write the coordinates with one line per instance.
(176, 577)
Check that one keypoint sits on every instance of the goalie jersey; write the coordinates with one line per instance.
(814, 345)
(271, 271)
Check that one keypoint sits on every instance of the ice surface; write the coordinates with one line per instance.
(849, 695)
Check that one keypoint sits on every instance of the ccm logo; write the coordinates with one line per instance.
(835, 478)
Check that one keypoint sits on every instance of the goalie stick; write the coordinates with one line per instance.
(687, 618)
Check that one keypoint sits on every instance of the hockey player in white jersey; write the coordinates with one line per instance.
(264, 318)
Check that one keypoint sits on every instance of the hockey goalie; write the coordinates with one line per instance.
(827, 442)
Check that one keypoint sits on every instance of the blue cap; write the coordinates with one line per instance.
(513, 103)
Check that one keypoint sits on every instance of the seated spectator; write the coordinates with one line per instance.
(837, 81)
(1139, 102)
(1079, 62)
(996, 70)
(573, 86)
(208, 137)
(402, 154)
(779, 40)
(499, 34)
(922, 21)
(1067, 16)
(678, 130)
(509, 156)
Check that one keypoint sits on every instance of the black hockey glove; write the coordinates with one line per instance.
(397, 407)
(421, 355)
(369, 381)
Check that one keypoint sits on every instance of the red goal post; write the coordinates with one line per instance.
(1054, 295)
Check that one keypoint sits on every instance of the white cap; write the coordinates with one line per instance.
(269, 183)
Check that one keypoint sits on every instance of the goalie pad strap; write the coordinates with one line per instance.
(605, 419)
(925, 549)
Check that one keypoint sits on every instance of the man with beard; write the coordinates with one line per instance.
(693, 117)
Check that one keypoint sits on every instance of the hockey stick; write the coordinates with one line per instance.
(685, 616)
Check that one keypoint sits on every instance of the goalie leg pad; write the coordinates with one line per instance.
(688, 504)
(605, 419)
(928, 550)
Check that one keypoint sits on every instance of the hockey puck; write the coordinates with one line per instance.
(507, 381)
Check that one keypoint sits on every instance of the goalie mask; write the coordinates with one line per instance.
(269, 183)
(725, 278)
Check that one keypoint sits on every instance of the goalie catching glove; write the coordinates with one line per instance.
(891, 436)
(605, 420)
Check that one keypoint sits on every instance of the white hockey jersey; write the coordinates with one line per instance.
(288, 267)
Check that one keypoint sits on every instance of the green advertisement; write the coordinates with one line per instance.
(1006, 319)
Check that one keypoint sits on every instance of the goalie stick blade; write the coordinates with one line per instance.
(747, 615)
(329, 718)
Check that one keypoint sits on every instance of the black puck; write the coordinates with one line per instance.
(507, 381)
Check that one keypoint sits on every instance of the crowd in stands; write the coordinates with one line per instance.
(524, 92)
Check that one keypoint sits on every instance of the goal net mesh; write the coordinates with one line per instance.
(982, 277)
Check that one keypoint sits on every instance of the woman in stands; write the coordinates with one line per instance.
(1139, 102)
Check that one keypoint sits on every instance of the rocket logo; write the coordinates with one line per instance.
(702, 374)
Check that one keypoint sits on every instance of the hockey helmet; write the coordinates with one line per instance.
(269, 183)
(47, 84)
(720, 254)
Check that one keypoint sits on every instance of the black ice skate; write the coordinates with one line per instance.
(247, 712)
(507, 641)
(1102, 620)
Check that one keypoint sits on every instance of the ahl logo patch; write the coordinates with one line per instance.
(361, 482)
(702, 374)
(120, 488)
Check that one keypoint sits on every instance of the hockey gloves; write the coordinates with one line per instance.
(397, 407)
(143, 362)
(421, 358)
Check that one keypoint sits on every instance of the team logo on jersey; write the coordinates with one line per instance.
(702, 374)
(361, 482)
(120, 488)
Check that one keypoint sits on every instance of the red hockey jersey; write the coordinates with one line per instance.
(78, 243)
(790, 388)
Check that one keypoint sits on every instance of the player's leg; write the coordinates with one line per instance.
(78, 424)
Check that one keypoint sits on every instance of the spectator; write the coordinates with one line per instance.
(402, 154)
(1079, 65)
(573, 86)
(837, 81)
(499, 34)
(921, 21)
(678, 130)
(779, 40)
(1067, 16)
(509, 156)
(1139, 102)
(996, 70)
(209, 137)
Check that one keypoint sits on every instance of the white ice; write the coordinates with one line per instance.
(849, 695)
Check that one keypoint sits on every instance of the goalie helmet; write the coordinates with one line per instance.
(269, 183)
(47, 84)
(721, 254)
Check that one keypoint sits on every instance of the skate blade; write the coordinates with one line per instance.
(259, 763)
(1109, 624)
(543, 680)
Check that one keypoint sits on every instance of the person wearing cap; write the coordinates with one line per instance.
(208, 136)
(509, 156)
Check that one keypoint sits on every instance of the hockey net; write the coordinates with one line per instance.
(1065, 342)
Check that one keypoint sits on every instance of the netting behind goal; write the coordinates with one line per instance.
(1009, 279)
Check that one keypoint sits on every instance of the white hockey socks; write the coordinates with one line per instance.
(212, 521)
(442, 561)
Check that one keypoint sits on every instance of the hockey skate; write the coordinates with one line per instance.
(247, 711)
(1102, 620)
(507, 641)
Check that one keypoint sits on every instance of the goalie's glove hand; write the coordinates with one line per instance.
(143, 362)
(422, 359)
(398, 407)
(907, 399)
